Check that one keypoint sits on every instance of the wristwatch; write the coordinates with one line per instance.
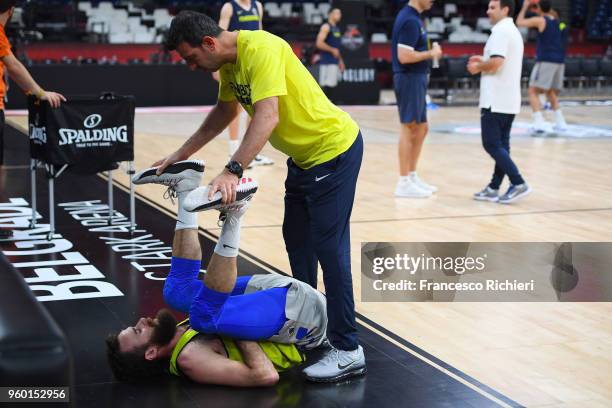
(235, 167)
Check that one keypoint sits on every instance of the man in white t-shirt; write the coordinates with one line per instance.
(500, 99)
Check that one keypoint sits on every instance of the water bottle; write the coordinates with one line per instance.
(436, 62)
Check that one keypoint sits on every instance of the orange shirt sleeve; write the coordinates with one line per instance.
(5, 47)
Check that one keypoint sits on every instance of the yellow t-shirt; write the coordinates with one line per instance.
(282, 356)
(311, 129)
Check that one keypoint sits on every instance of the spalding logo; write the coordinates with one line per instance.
(92, 121)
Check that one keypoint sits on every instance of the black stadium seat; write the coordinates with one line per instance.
(458, 76)
(457, 67)
(590, 67)
(573, 71)
(590, 71)
(606, 72)
(438, 79)
(606, 68)
(572, 67)
(528, 64)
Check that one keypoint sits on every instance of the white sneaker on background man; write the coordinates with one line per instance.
(407, 188)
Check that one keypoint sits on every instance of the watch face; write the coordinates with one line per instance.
(235, 168)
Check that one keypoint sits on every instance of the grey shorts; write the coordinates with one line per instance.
(329, 75)
(305, 310)
(547, 75)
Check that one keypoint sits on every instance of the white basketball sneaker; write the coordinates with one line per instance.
(409, 189)
(198, 200)
(423, 185)
(337, 365)
(181, 176)
(261, 160)
(560, 124)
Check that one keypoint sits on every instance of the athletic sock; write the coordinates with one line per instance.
(542, 99)
(404, 179)
(229, 241)
(537, 117)
(233, 146)
(185, 218)
(559, 117)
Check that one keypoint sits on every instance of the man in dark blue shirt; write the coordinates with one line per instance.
(548, 72)
(411, 56)
(328, 42)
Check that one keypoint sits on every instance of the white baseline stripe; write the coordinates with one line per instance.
(158, 109)
(433, 364)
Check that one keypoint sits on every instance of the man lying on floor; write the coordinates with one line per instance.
(242, 330)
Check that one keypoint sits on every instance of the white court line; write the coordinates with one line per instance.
(148, 110)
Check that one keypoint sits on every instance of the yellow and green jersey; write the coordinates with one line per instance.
(282, 356)
(311, 129)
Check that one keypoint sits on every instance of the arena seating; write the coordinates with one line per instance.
(127, 23)
(600, 25)
(460, 23)
(121, 22)
(578, 13)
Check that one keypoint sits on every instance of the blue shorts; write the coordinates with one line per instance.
(411, 91)
(253, 316)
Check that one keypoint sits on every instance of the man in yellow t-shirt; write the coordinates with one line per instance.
(325, 148)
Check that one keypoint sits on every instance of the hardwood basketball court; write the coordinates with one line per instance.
(537, 354)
